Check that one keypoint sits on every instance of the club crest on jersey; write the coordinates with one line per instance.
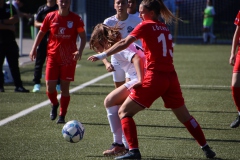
(130, 29)
(61, 30)
(70, 24)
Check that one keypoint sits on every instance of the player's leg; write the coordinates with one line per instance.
(194, 129)
(51, 75)
(126, 112)
(64, 101)
(39, 62)
(144, 95)
(236, 89)
(2, 58)
(112, 103)
(66, 76)
(12, 56)
(173, 99)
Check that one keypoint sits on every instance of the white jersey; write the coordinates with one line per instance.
(127, 26)
(136, 14)
(124, 59)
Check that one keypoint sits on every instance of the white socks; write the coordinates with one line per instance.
(115, 123)
(116, 126)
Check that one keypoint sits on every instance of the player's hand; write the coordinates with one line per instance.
(96, 57)
(232, 59)
(109, 67)
(77, 56)
(92, 58)
(33, 54)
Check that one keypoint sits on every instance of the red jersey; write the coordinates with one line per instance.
(237, 19)
(63, 35)
(237, 22)
(157, 44)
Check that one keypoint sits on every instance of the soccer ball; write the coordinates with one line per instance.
(73, 131)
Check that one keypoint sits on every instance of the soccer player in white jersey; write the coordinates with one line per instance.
(127, 22)
(131, 61)
(133, 7)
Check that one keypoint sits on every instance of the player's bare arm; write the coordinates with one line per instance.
(117, 47)
(138, 64)
(83, 38)
(37, 41)
(234, 46)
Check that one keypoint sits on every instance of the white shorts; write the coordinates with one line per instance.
(130, 83)
(118, 74)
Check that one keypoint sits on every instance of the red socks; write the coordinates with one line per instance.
(53, 98)
(64, 102)
(130, 131)
(236, 96)
(195, 130)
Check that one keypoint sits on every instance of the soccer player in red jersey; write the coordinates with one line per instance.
(62, 53)
(160, 79)
(234, 60)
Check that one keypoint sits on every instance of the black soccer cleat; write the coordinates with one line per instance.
(61, 120)
(2, 89)
(235, 123)
(53, 113)
(132, 154)
(21, 89)
(208, 152)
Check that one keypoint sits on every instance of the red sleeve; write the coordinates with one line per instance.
(138, 31)
(45, 24)
(80, 24)
(237, 19)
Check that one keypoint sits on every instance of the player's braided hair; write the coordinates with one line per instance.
(103, 34)
(160, 10)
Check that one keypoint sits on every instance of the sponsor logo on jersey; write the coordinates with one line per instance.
(61, 30)
(70, 24)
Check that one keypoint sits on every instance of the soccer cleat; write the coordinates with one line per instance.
(21, 89)
(53, 113)
(115, 149)
(36, 88)
(58, 88)
(235, 123)
(132, 154)
(61, 120)
(208, 152)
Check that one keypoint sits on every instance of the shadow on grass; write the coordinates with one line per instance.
(145, 157)
(141, 136)
(169, 110)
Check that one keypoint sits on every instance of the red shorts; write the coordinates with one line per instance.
(55, 70)
(159, 84)
(236, 68)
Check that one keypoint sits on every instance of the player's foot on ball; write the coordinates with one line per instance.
(61, 120)
(115, 149)
(235, 123)
(53, 113)
(208, 152)
(132, 154)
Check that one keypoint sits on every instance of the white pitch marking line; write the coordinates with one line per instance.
(42, 104)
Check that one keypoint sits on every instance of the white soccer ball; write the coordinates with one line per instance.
(73, 131)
